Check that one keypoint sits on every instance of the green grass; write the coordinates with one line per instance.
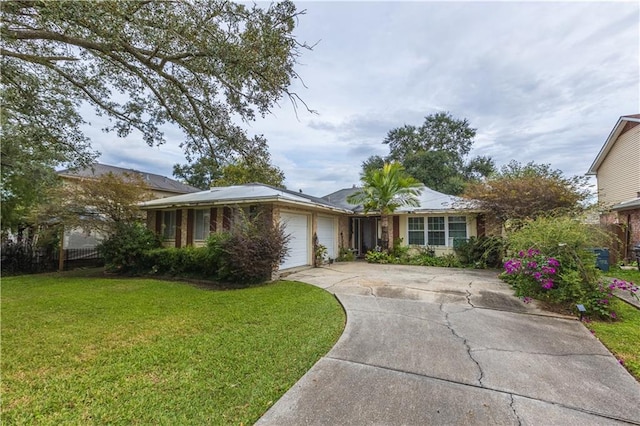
(622, 337)
(84, 350)
(632, 275)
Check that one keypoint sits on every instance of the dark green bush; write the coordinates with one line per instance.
(186, 261)
(481, 252)
(124, 250)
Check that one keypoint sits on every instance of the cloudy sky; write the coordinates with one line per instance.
(543, 82)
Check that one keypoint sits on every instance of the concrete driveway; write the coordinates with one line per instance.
(452, 346)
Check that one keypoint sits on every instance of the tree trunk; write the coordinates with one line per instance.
(384, 224)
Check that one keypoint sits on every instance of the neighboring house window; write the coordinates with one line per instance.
(169, 225)
(438, 232)
(202, 224)
(416, 231)
(457, 228)
(435, 231)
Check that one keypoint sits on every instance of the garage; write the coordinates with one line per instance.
(327, 234)
(297, 226)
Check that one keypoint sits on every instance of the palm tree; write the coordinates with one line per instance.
(383, 191)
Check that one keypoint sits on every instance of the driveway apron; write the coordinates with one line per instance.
(452, 346)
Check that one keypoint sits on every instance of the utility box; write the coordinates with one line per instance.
(602, 258)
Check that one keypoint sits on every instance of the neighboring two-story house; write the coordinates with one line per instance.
(159, 187)
(617, 170)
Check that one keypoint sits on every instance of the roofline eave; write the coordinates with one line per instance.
(267, 199)
(613, 135)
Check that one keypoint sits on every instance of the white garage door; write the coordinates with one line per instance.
(327, 235)
(296, 225)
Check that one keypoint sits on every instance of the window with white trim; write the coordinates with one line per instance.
(436, 231)
(439, 230)
(169, 224)
(416, 231)
(457, 228)
(202, 224)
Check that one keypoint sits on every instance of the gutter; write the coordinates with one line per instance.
(241, 201)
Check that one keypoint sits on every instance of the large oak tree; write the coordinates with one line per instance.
(203, 65)
(436, 153)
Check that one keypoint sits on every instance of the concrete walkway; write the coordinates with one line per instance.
(452, 346)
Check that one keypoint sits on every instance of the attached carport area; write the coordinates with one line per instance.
(452, 346)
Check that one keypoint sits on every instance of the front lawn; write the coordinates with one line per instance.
(622, 337)
(79, 350)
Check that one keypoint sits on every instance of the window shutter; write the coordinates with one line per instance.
(158, 221)
(226, 218)
(213, 220)
(178, 228)
(190, 226)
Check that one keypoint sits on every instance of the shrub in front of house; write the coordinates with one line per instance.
(250, 252)
(125, 248)
(481, 252)
(420, 257)
(551, 259)
(247, 254)
(186, 261)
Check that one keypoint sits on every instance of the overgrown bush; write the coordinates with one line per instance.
(251, 251)
(551, 259)
(481, 252)
(125, 249)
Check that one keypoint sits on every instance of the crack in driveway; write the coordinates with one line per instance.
(397, 337)
(464, 342)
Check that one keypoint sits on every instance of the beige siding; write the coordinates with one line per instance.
(619, 174)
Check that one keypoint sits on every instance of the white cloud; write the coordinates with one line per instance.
(541, 82)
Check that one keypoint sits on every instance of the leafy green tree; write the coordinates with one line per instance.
(374, 162)
(439, 132)
(383, 191)
(200, 65)
(200, 173)
(528, 191)
(260, 171)
(436, 153)
(206, 172)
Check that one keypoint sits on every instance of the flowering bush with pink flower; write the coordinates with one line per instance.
(531, 272)
(599, 301)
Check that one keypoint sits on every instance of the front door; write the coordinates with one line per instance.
(366, 234)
